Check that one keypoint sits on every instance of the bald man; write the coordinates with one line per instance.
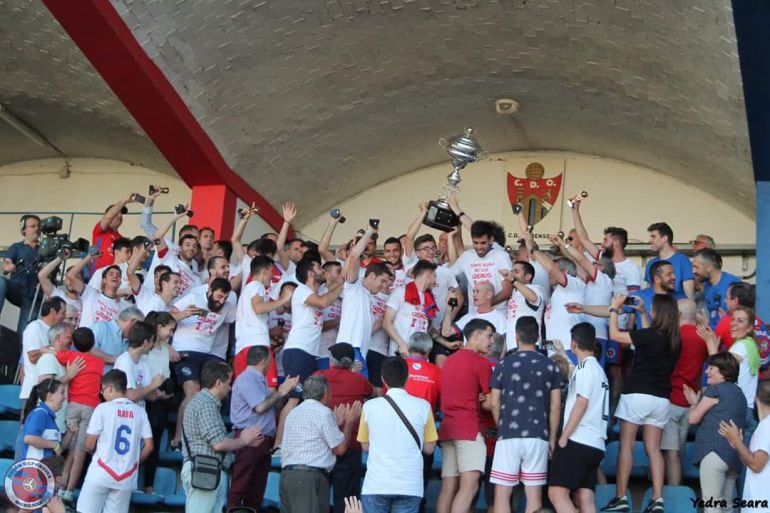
(687, 372)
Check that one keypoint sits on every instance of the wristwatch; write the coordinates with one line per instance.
(613, 310)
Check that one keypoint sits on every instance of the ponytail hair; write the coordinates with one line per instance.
(40, 393)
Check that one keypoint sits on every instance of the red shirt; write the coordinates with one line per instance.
(103, 239)
(465, 375)
(689, 367)
(85, 387)
(424, 381)
(347, 387)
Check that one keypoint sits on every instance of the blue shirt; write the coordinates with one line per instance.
(682, 272)
(647, 296)
(108, 338)
(249, 390)
(731, 406)
(24, 258)
(715, 296)
(40, 422)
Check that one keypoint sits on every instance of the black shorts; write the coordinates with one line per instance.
(575, 466)
(374, 363)
(297, 362)
(190, 365)
(439, 350)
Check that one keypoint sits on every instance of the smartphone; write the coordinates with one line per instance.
(202, 312)
(138, 197)
(548, 345)
(453, 302)
(179, 208)
(630, 301)
(148, 244)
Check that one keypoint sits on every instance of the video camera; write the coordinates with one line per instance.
(53, 244)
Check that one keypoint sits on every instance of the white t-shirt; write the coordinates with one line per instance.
(518, 307)
(96, 279)
(589, 381)
(496, 317)
(250, 327)
(148, 301)
(98, 307)
(356, 316)
(400, 279)
(409, 318)
(558, 321)
(137, 373)
(77, 304)
(755, 485)
(48, 364)
(628, 275)
(330, 313)
(189, 275)
(541, 279)
(486, 268)
(746, 381)
(158, 360)
(598, 291)
(306, 322)
(445, 279)
(272, 322)
(221, 336)
(121, 426)
(379, 342)
(35, 336)
(197, 333)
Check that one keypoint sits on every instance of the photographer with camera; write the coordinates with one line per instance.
(106, 232)
(66, 290)
(19, 278)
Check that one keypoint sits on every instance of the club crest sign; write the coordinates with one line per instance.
(29, 484)
(534, 192)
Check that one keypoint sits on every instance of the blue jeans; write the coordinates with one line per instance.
(390, 503)
(17, 295)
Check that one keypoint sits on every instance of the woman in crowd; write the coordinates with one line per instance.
(721, 401)
(41, 437)
(158, 360)
(644, 401)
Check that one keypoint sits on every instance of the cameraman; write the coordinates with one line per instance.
(19, 278)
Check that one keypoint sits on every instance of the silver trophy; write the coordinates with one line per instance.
(462, 149)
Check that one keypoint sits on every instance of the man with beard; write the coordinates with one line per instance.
(19, 264)
(707, 268)
(663, 282)
(185, 264)
(304, 340)
(200, 316)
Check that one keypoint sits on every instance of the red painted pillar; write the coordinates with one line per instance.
(214, 206)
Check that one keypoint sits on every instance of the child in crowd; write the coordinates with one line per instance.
(83, 398)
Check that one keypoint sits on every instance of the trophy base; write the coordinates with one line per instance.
(440, 217)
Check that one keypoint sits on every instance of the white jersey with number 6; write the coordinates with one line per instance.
(121, 425)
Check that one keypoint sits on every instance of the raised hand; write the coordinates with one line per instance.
(289, 211)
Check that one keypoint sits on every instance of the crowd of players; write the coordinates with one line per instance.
(524, 355)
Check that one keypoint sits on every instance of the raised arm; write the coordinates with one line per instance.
(114, 210)
(145, 220)
(621, 337)
(353, 264)
(160, 233)
(76, 273)
(413, 229)
(465, 219)
(137, 257)
(238, 250)
(289, 213)
(527, 292)
(580, 229)
(452, 251)
(576, 256)
(546, 261)
(326, 239)
(44, 276)
(324, 300)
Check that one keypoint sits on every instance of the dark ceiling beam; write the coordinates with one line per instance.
(103, 37)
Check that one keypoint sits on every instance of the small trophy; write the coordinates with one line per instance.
(336, 214)
(463, 149)
(577, 198)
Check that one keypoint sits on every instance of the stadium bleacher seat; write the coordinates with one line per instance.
(166, 455)
(9, 429)
(606, 492)
(689, 469)
(272, 498)
(165, 484)
(9, 400)
(676, 499)
(639, 466)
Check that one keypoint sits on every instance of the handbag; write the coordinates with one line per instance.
(404, 420)
(206, 470)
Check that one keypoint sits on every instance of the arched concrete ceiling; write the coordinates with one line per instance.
(47, 83)
(317, 101)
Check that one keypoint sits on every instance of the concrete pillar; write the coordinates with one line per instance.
(214, 206)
